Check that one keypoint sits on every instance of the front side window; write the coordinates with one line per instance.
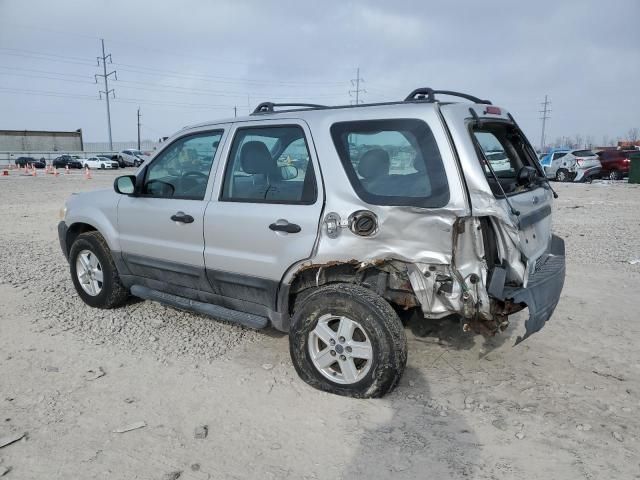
(269, 165)
(559, 155)
(392, 162)
(182, 170)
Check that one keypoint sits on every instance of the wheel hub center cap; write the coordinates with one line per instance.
(339, 348)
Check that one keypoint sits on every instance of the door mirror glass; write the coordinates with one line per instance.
(287, 172)
(125, 185)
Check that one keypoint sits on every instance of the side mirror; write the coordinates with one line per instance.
(287, 172)
(125, 185)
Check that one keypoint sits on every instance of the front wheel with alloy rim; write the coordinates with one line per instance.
(94, 272)
(347, 340)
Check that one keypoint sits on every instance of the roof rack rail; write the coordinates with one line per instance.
(426, 94)
(267, 107)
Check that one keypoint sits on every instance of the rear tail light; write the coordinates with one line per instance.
(627, 160)
(579, 162)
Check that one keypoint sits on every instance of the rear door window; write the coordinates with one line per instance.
(270, 165)
(392, 162)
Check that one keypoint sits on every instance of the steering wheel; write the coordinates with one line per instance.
(167, 189)
(194, 173)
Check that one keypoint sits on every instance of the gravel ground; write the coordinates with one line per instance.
(564, 404)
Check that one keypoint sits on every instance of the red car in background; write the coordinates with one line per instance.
(615, 163)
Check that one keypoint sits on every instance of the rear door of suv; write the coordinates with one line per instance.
(478, 129)
(265, 209)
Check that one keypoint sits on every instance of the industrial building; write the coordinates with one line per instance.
(40, 141)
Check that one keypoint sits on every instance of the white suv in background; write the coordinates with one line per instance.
(131, 158)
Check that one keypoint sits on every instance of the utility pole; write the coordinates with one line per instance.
(545, 116)
(138, 128)
(355, 82)
(106, 91)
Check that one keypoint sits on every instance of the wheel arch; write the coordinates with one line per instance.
(75, 230)
(387, 278)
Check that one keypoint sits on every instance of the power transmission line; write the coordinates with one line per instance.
(106, 91)
(355, 82)
(48, 93)
(545, 116)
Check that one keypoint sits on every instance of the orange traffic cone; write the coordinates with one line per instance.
(55, 173)
(33, 171)
(87, 173)
(66, 169)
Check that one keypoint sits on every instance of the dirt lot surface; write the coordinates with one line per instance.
(565, 404)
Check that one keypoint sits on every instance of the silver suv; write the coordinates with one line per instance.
(339, 225)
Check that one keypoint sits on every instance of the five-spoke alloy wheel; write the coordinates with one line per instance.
(94, 272)
(346, 339)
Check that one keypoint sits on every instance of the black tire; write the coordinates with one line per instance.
(376, 317)
(562, 175)
(113, 293)
(615, 175)
(121, 162)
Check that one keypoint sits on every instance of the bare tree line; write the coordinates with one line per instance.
(589, 141)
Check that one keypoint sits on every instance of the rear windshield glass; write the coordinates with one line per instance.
(583, 153)
(392, 162)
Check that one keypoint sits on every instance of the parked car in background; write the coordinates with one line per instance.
(96, 163)
(23, 161)
(615, 163)
(106, 158)
(131, 158)
(66, 161)
(578, 165)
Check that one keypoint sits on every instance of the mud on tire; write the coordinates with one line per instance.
(380, 323)
(113, 294)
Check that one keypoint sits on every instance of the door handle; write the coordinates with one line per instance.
(182, 217)
(285, 227)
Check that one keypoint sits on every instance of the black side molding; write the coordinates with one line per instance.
(221, 313)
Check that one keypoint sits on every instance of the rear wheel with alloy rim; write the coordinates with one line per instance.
(615, 175)
(347, 340)
(562, 175)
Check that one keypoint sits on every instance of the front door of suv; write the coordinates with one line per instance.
(265, 212)
(161, 229)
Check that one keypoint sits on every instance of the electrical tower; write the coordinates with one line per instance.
(106, 91)
(138, 128)
(355, 82)
(545, 116)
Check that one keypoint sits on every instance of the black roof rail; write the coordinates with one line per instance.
(268, 107)
(427, 94)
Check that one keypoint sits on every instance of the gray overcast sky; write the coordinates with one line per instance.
(188, 61)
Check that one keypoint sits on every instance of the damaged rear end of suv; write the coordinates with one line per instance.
(457, 225)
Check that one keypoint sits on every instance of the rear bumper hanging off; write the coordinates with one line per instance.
(543, 289)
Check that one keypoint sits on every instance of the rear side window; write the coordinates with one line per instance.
(559, 155)
(583, 153)
(270, 165)
(392, 162)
